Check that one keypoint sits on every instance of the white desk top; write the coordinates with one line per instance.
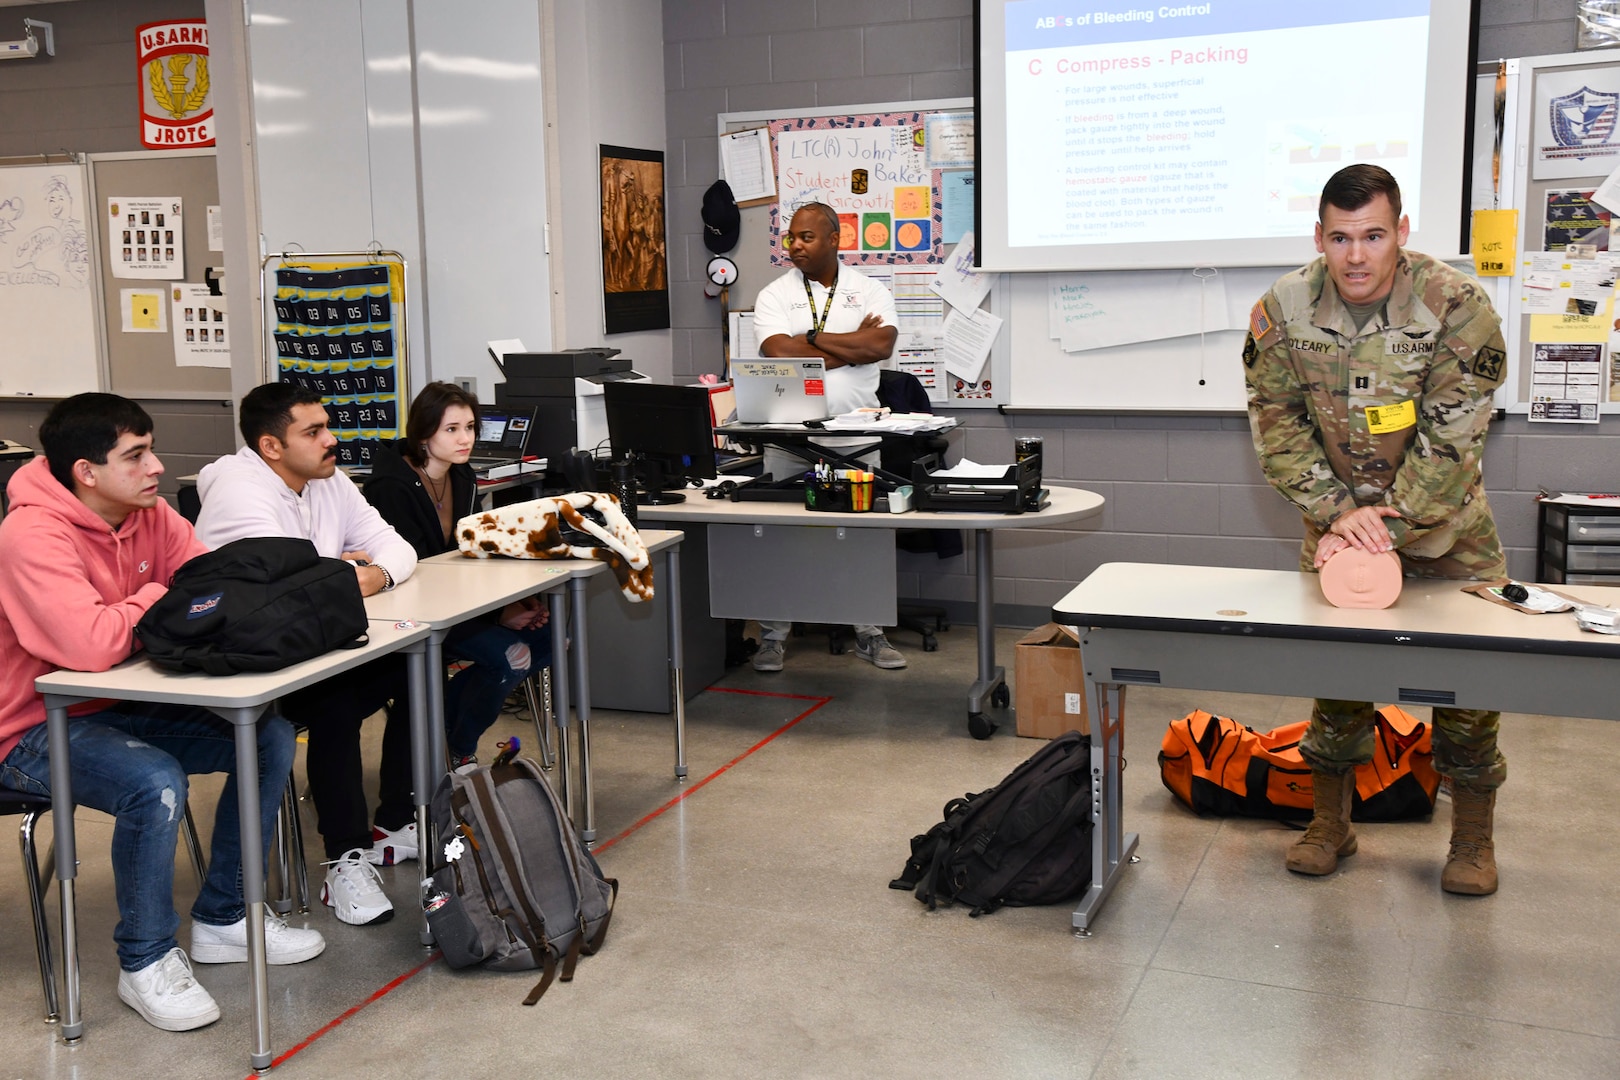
(1287, 603)
(138, 679)
(1067, 505)
(655, 540)
(443, 592)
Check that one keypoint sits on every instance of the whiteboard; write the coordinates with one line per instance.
(1193, 372)
(49, 340)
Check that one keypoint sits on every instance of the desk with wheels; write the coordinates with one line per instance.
(451, 588)
(762, 556)
(1270, 632)
(240, 700)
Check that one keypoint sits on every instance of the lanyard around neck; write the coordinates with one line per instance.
(819, 324)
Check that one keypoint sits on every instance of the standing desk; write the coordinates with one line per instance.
(788, 536)
(454, 588)
(240, 700)
(1270, 632)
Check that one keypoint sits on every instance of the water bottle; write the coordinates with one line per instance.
(624, 486)
(1024, 448)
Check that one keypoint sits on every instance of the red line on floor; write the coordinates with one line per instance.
(683, 796)
(353, 1010)
(695, 788)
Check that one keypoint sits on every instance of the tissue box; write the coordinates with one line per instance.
(1050, 683)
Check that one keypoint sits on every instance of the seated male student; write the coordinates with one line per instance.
(285, 482)
(89, 547)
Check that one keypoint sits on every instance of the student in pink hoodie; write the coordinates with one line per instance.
(89, 546)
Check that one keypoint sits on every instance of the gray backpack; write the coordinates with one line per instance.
(513, 887)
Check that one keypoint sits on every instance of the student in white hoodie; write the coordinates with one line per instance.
(285, 482)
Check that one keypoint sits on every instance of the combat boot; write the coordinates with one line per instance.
(1471, 863)
(1330, 836)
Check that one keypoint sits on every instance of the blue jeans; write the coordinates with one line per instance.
(131, 761)
(501, 659)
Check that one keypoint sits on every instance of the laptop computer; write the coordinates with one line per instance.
(783, 391)
(503, 437)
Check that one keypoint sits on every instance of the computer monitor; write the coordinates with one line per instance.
(665, 430)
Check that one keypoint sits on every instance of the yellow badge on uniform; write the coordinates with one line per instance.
(1383, 419)
(1259, 322)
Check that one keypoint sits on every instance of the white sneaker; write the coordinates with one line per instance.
(353, 890)
(283, 944)
(390, 847)
(167, 995)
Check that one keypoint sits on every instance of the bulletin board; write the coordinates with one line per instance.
(1559, 147)
(882, 139)
(143, 365)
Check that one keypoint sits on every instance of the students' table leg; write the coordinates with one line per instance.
(245, 723)
(992, 682)
(582, 707)
(560, 680)
(677, 654)
(424, 675)
(67, 859)
(1111, 847)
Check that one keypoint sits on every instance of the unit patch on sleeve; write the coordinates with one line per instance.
(1488, 364)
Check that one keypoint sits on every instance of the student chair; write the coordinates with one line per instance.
(31, 808)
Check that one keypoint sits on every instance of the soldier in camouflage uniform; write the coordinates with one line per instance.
(1370, 374)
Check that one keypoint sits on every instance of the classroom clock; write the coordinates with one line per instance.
(722, 271)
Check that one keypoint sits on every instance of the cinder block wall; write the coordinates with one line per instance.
(1179, 489)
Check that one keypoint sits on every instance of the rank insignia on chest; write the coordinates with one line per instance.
(1363, 382)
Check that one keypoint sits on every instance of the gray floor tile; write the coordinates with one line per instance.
(756, 935)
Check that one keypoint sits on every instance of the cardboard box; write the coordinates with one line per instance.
(1049, 683)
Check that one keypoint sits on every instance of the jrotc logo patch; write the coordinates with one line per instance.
(1488, 364)
(1251, 351)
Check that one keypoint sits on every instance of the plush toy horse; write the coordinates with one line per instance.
(583, 525)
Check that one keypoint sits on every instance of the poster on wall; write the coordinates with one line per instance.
(874, 169)
(177, 99)
(1575, 114)
(146, 237)
(201, 334)
(1573, 218)
(635, 262)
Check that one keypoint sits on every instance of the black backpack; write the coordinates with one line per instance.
(258, 604)
(1025, 841)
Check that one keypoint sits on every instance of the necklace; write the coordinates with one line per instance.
(438, 493)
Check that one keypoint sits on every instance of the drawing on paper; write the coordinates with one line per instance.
(49, 246)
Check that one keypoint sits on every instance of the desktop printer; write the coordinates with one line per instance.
(565, 389)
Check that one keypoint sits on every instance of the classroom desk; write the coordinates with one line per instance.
(1270, 632)
(462, 588)
(1067, 505)
(240, 700)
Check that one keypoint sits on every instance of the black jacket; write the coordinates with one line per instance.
(400, 497)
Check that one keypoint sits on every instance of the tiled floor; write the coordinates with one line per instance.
(755, 935)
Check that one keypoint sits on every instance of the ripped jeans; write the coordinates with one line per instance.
(131, 761)
(500, 659)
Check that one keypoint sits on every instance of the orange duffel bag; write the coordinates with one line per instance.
(1215, 765)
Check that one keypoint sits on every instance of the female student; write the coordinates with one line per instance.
(422, 486)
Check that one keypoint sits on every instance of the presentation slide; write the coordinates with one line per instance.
(1121, 123)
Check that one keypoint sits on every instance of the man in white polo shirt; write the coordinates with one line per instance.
(822, 308)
